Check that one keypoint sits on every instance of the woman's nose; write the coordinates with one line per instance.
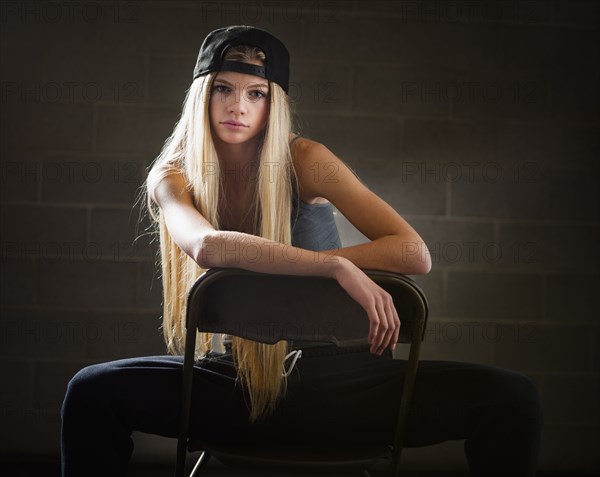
(238, 102)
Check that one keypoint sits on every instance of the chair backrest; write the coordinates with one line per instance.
(268, 308)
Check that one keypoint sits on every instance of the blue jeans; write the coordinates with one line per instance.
(332, 396)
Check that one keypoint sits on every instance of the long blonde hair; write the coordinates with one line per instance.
(190, 150)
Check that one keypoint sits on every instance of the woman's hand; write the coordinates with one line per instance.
(379, 305)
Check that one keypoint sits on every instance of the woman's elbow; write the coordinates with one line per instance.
(414, 258)
(208, 251)
(424, 262)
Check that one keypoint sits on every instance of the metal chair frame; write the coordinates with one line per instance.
(268, 308)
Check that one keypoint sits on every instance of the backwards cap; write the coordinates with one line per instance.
(212, 53)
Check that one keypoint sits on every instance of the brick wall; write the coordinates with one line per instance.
(477, 121)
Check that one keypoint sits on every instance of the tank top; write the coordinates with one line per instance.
(313, 228)
(313, 225)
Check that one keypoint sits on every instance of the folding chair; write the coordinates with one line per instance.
(304, 308)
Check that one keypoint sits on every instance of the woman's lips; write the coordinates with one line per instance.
(234, 127)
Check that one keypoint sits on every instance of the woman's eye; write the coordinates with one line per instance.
(220, 88)
(258, 94)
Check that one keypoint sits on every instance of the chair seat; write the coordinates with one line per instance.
(348, 459)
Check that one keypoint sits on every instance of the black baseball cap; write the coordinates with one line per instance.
(212, 52)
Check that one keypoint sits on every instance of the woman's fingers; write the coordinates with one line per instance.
(384, 323)
(386, 328)
(379, 327)
(383, 326)
(374, 328)
(389, 325)
(396, 322)
(388, 340)
(373, 323)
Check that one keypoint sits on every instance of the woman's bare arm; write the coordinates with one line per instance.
(394, 245)
(212, 248)
(236, 249)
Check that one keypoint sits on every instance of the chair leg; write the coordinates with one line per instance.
(202, 461)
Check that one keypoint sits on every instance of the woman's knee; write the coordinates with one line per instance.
(87, 385)
(517, 394)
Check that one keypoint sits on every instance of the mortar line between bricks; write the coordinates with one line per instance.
(94, 127)
(357, 12)
(79, 260)
(351, 88)
(544, 296)
(516, 270)
(443, 218)
(81, 205)
(444, 291)
(146, 60)
(80, 309)
(448, 214)
(37, 282)
(86, 153)
(507, 221)
(494, 220)
(496, 231)
(446, 319)
(39, 164)
(88, 224)
(463, 119)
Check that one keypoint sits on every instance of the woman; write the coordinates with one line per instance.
(233, 177)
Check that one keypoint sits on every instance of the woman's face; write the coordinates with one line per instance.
(239, 106)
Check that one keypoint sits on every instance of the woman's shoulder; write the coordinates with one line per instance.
(297, 139)
(302, 150)
(305, 156)
(168, 184)
(302, 147)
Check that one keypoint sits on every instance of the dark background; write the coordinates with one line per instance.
(477, 121)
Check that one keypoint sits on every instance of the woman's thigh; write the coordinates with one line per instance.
(456, 400)
(354, 398)
(342, 398)
(144, 393)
